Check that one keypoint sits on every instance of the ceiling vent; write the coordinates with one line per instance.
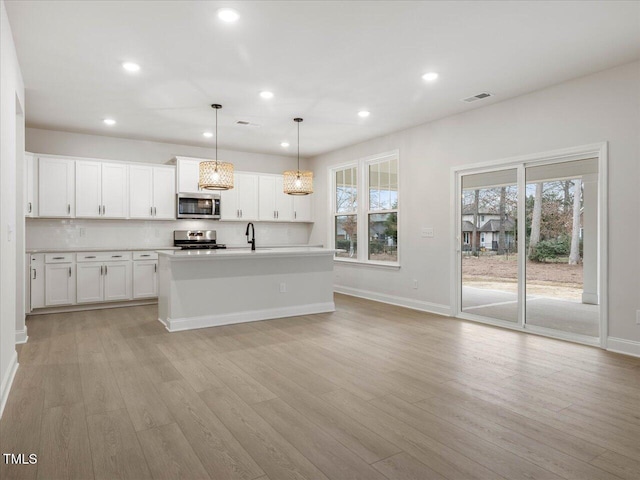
(247, 124)
(479, 96)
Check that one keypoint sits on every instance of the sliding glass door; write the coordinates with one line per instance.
(529, 246)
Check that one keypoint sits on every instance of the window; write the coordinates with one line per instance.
(466, 238)
(370, 213)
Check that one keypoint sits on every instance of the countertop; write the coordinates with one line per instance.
(245, 252)
(146, 248)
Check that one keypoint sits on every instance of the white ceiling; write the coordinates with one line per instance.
(324, 61)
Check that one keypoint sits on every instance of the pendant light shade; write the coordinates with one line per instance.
(298, 182)
(215, 175)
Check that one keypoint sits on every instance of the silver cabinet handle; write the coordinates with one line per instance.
(241, 213)
(90, 256)
(105, 270)
(69, 272)
(99, 210)
(103, 209)
(155, 211)
(68, 208)
(35, 274)
(116, 256)
(155, 268)
(151, 214)
(145, 255)
(295, 215)
(29, 207)
(58, 258)
(101, 269)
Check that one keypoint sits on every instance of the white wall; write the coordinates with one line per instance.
(128, 150)
(596, 108)
(11, 95)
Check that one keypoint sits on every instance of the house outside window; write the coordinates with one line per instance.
(369, 213)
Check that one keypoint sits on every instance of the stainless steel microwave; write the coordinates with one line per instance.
(199, 205)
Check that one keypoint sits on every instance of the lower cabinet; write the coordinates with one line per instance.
(91, 277)
(60, 284)
(145, 278)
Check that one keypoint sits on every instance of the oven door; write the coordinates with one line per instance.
(198, 205)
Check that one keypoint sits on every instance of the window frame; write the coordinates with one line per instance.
(363, 209)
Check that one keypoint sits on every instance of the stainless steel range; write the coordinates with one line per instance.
(196, 239)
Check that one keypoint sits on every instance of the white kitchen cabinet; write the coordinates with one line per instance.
(145, 278)
(56, 185)
(241, 202)
(152, 192)
(188, 174)
(90, 282)
(274, 204)
(59, 284)
(30, 185)
(36, 281)
(114, 190)
(117, 281)
(302, 208)
(88, 189)
(164, 193)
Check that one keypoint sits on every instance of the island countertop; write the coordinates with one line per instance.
(245, 252)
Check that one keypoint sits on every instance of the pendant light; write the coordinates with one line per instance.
(298, 182)
(215, 175)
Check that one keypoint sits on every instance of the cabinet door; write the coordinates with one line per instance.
(188, 172)
(267, 199)
(114, 190)
(55, 187)
(284, 202)
(164, 193)
(30, 197)
(90, 284)
(88, 189)
(37, 280)
(229, 208)
(59, 284)
(145, 278)
(302, 208)
(140, 191)
(247, 195)
(117, 281)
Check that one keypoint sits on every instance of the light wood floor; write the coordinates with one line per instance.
(369, 392)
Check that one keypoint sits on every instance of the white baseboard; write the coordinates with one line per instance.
(394, 300)
(21, 335)
(5, 385)
(620, 345)
(191, 323)
(93, 306)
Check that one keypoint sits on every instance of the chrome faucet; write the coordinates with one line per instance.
(253, 235)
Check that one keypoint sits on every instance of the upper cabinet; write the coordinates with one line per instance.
(188, 173)
(302, 208)
(56, 181)
(30, 185)
(241, 202)
(152, 192)
(275, 205)
(101, 189)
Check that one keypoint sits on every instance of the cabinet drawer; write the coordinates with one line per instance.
(102, 256)
(58, 258)
(145, 255)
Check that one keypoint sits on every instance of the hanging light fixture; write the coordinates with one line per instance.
(298, 182)
(215, 175)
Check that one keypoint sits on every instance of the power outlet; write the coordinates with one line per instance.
(81, 232)
(415, 284)
(426, 232)
(283, 288)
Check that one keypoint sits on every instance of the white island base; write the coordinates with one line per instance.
(207, 288)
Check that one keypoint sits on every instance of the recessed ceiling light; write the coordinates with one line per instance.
(109, 121)
(266, 94)
(228, 15)
(284, 144)
(131, 67)
(207, 134)
(430, 77)
(364, 113)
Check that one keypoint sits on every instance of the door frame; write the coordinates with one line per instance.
(596, 150)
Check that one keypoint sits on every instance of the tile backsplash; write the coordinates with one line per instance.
(44, 233)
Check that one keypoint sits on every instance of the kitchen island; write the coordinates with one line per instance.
(206, 288)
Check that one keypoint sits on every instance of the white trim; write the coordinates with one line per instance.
(205, 321)
(5, 387)
(620, 345)
(395, 300)
(21, 335)
(94, 306)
